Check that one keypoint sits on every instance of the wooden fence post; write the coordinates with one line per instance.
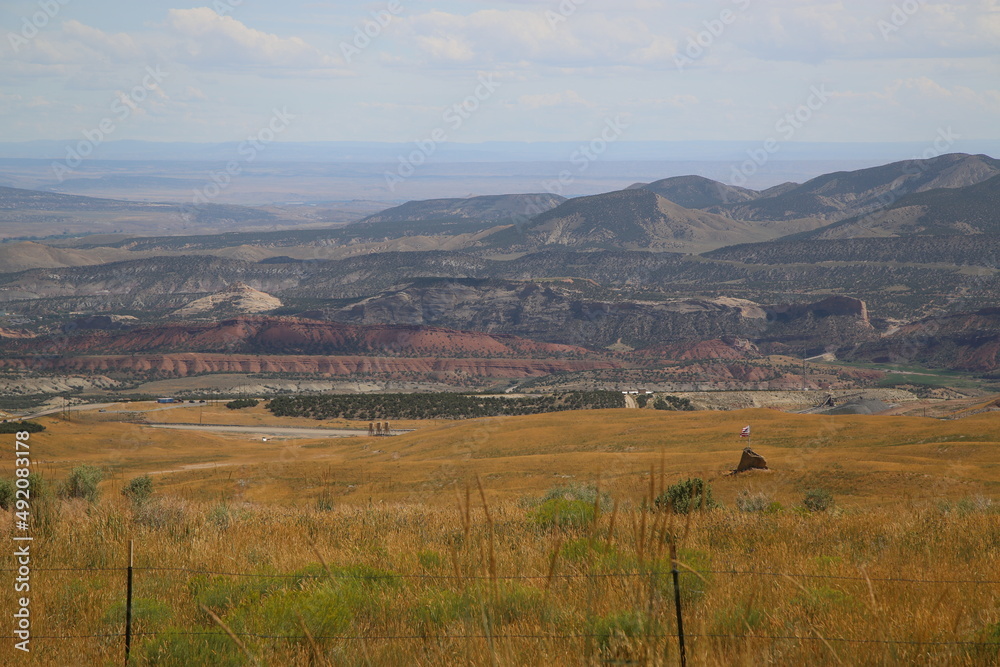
(128, 604)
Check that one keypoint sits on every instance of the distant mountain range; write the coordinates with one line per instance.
(698, 191)
(486, 208)
(629, 220)
(844, 194)
(694, 214)
(41, 215)
(869, 263)
(972, 209)
(502, 151)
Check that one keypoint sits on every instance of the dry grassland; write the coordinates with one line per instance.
(438, 548)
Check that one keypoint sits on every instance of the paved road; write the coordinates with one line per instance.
(283, 431)
(276, 431)
(105, 406)
(72, 408)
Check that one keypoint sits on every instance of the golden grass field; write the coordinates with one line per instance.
(435, 547)
(863, 460)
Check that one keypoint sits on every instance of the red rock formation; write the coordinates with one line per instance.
(292, 336)
(732, 349)
(183, 364)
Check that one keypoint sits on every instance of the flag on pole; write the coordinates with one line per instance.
(745, 433)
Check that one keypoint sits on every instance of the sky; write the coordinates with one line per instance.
(523, 70)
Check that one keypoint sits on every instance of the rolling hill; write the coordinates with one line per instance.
(840, 195)
(631, 220)
(270, 335)
(33, 214)
(697, 191)
(969, 210)
(486, 208)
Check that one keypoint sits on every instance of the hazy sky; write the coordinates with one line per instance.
(872, 70)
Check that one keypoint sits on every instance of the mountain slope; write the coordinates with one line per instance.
(967, 341)
(35, 214)
(697, 191)
(270, 335)
(630, 220)
(567, 312)
(848, 193)
(485, 208)
(943, 212)
(237, 298)
(18, 199)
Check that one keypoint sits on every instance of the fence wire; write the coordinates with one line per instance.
(516, 577)
(500, 637)
(376, 637)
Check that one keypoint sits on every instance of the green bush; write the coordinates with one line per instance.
(83, 483)
(44, 509)
(673, 403)
(692, 586)
(139, 489)
(429, 559)
(682, 497)
(221, 594)
(563, 513)
(241, 403)
(989, 638)
(434, 609)
(221, 516)
(7, 493)
(604, 556)
(616, 634)
(818, 500)
(824, 599)
(587, 493)
(14, 427)
(148, 615)
(181, 647)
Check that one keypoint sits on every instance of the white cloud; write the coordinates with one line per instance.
(202, 37)
(120, 47)
(915, 92)
(567, 98)
(860, 29)
(523, 38)
(198, 37)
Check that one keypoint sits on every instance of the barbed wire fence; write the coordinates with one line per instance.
(126, 634)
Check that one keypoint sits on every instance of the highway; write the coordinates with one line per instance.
(276, 431)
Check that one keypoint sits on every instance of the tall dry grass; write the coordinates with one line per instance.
(510, 583)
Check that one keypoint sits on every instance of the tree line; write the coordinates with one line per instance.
(437, 405)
